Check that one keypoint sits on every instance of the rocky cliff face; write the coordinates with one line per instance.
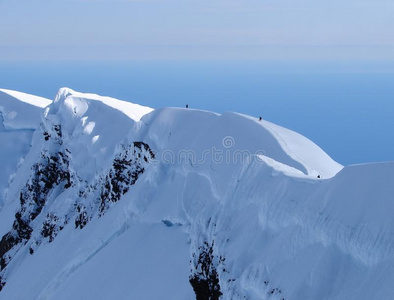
(52, 175)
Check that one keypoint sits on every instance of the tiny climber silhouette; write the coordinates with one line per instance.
(187, 105)
(260, 118)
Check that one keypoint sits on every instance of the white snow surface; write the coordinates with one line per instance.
(133, 111)
(20, 115)
(19, 110)
(247, 188)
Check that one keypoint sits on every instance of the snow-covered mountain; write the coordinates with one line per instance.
(105, 199)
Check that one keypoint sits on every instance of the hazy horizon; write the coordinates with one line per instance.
(174, 29)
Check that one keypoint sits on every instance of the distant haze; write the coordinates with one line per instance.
(174, 29)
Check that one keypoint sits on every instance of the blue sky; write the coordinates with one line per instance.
(243, 29)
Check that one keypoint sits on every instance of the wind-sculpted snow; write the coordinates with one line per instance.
(116, 201)
(231, 138)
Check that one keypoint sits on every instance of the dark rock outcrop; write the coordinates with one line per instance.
(205, 280)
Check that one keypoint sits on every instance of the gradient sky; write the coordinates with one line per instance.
(158, 29)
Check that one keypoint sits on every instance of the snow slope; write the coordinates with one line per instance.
(20, 115)
(19, 110)
(116, 200)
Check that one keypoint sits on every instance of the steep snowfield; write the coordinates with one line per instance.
(92, 126)
(19, 110)
(116, 201)
(20, 115)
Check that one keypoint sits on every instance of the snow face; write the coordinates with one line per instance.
(20, 115)
(19, 110)
(116, 200)
(133, 111)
